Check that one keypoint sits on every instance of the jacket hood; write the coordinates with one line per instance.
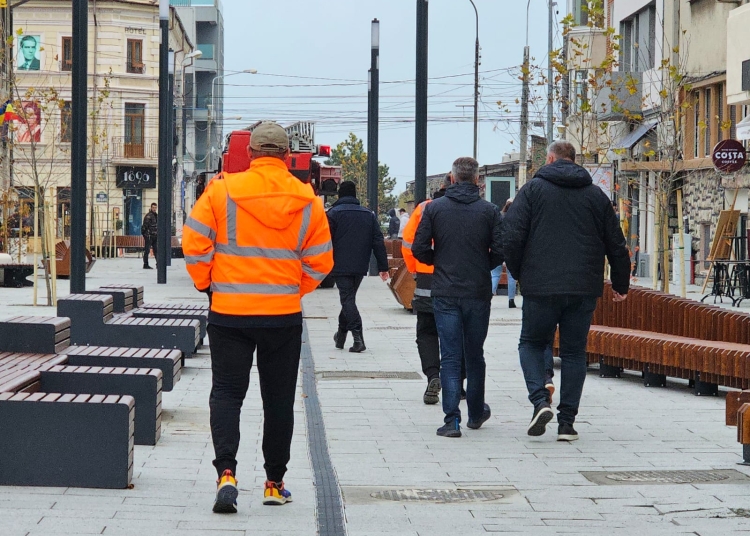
(347, 200)
(268, 191)
(392, 213)
(565, 173)
(463, 192)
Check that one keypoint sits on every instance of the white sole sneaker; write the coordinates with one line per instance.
(538, 424)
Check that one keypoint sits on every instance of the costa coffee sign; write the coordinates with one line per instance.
(729, 156)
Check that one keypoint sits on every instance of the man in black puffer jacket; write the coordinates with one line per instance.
(356, 234)
(555, 237)
(465, 231)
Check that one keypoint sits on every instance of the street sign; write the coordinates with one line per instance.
(101, 197)
(729, 156)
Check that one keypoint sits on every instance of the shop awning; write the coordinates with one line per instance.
(634, 137)
(743, 129)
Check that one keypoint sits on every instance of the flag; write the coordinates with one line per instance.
(9, 113)
(2, 112)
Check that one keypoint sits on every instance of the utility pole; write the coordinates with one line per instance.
(524, 118)
(476, 80)
(550, 82)
(420, 119)
(373, 104)
(170, 156)
(78, 144)
(165, 177)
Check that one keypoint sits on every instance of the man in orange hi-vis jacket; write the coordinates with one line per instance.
(256, 242)
(428, 344)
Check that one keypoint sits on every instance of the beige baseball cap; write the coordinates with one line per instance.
(269, 136)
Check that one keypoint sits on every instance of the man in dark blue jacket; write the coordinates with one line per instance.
(356, 234)
(459, 234)
(555, 237)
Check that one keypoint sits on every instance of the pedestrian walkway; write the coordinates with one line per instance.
(381, 441)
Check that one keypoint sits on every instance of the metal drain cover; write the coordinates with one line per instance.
(461, 494)
(440, 496)
(722, 476)
(367, 375)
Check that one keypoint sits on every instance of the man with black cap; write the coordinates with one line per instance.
(356, 234)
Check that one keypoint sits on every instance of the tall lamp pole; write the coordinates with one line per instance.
(164, 231)
(78, 147)
(476, 80)
(209, 140)
(420, 119)
(524, 107)
(373, 103)
(550, 82)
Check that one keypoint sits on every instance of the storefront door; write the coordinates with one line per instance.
(133, 212)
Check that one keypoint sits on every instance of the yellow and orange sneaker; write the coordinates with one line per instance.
(226, 494)
(274, 494)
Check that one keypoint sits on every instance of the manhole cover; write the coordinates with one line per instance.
(440, 496)
(723, 476)
(368, 375)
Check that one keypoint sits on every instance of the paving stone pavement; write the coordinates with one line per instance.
(382, 437)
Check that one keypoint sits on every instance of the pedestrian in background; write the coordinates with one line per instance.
(497, 272)
(356, 235)
(428, 343)
(403, 220)
(149, 230)
(256, 242)
(394, 224)
(556, 236)
(459, 235)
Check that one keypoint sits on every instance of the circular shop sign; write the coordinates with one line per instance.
(728, 156)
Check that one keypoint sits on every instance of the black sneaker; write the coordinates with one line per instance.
(542, 415)
(511, 304)
(147, 267)
(486, 414)
(566, 432)
(431, 393)
(450, 429)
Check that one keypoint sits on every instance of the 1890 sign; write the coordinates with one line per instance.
(136, 177)
(729, 156)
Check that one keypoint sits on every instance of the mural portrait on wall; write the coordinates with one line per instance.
(29, 53)
(30, 123)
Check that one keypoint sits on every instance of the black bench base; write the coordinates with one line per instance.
(66, 444)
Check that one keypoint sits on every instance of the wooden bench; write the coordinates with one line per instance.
(138, 290)
(122, 298)
(63, 439)
(14, 275)
(743, 431)
(663, 335)
(137, 242)
(45, 335)
(92, 323)
(173, 313)
(35, 334)
(62, 259)
(55, 376)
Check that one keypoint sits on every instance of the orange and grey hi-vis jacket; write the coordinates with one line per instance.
(257, 241)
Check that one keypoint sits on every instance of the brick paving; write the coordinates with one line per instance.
(381, 437)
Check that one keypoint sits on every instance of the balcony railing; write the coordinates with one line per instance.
(146, 148)
(192, 3)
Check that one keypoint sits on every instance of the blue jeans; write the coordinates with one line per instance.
(495, 274)
(511, 287)
(462, 327)
(541, 317)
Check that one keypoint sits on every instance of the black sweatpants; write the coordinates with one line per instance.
(278, 363)
(349, 318)
(149, 242)
(428, 345)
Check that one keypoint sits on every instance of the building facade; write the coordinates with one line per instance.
(123, 109)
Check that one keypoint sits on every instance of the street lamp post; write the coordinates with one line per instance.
(373, 105)
(476, 80)
(209, 140)
(420, 105)
(181, 124)
(164, 231)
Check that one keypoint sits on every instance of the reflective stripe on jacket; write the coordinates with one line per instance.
(412, 264)
(259, 239)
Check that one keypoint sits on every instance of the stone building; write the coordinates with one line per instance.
(123, 108)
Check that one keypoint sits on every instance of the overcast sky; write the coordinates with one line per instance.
(312, 58)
